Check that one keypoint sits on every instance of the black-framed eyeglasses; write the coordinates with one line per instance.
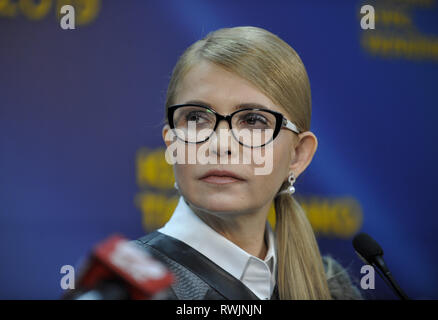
(251, 127)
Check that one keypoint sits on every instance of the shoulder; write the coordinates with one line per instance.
(339, 281)
(187, 284)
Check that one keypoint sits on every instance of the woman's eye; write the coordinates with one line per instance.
(195, 116)
(253, 119)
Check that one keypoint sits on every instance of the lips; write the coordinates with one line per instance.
(221, 177)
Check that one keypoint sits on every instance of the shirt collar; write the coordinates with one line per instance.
(187, 227)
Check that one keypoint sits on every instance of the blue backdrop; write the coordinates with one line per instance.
(81, 148)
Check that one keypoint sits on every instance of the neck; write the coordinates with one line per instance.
(246, 231)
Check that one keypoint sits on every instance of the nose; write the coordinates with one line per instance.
(220, 143)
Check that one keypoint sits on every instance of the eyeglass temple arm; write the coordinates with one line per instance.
(289, 125)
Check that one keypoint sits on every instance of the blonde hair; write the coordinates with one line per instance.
(275, 69)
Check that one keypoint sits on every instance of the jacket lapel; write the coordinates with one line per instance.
(216, 277)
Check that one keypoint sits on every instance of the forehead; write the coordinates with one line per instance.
(221, 89)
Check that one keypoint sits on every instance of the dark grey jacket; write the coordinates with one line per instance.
(198, 278)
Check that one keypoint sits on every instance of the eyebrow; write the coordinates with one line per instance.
(236, 107)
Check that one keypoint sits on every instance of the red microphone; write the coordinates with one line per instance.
(119, 270)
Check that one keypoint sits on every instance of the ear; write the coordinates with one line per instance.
(165, 132)
(303, 152)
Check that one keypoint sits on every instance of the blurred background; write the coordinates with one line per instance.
(81, 153)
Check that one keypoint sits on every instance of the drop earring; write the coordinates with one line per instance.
(176, 186)
(290, 190)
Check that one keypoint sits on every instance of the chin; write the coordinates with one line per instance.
(221, 202)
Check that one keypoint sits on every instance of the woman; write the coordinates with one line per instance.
(218, 242)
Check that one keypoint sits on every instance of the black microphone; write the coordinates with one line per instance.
(371, 253)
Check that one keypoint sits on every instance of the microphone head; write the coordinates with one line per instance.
(367, 247)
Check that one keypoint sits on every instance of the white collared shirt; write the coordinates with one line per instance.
(258, 275)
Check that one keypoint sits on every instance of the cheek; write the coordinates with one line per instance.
(188, 184)
(183, 174)
(264, 186)
(282, 159)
